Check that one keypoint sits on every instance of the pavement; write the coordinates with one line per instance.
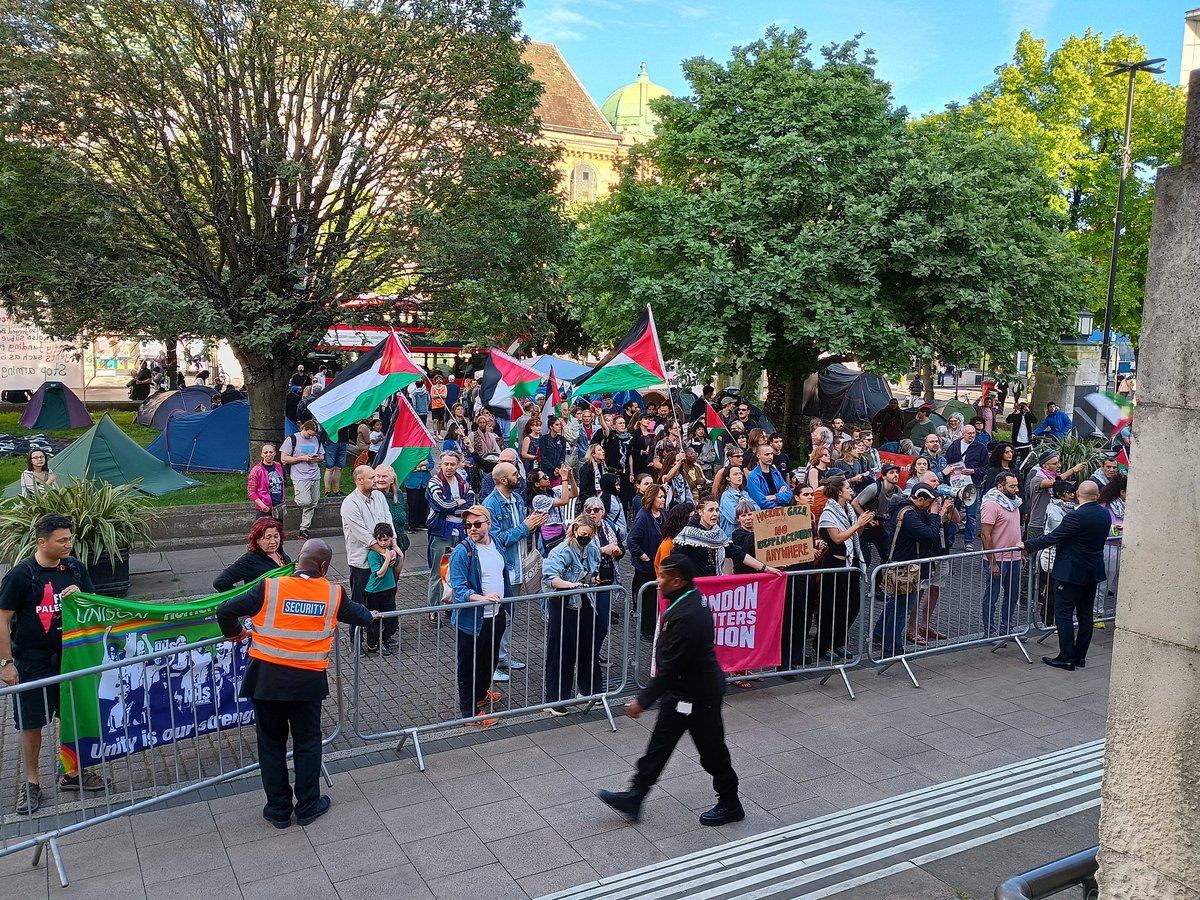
(511, 811)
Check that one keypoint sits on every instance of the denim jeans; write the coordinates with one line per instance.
(1009, 581)
(892, 622)
(971, 515)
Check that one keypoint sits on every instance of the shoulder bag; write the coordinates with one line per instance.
(901, 579)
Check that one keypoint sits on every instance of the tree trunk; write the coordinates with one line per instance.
(775, 406)
(266, 389)
(171, 363)
(931, 368)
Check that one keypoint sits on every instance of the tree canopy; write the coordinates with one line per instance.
(1068, 107)
(795, 218)
(270, 159)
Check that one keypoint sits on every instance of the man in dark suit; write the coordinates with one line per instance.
(1078, 568)
(690, 682)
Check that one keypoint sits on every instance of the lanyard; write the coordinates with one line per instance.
(675, 603)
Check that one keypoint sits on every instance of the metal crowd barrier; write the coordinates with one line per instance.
(821, 632)
(1077, 870)
(1042, 590)
(140, 779)
(956, 604)
(436, 676)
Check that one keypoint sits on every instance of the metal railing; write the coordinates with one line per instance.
(820, 634)
(568, 652)
(151, 760)
(1041, 589)
(1077, 870)
(957, 601)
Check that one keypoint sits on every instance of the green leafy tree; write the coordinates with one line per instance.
(1066, 105)
(274, 158)
(793, 219)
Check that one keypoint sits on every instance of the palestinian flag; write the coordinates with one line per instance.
(514, 439)
(364, 386)
(505, 379)
(713, 422)
(635, 364)
(407, 442)
(554, 402)
(1123, 460)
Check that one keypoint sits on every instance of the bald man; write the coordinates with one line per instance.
(362, 509)
(507, 455)
(293, 619)
(1078, 568)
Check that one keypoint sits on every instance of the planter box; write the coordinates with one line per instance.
(110, 577)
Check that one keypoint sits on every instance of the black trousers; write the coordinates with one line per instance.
(799, 609)
(874, 539)
(477, 658)
(273, 720)
(708, 734)
(418, 509)
(649, 604)
(840, 606)
(1078, 600)
(382, 601)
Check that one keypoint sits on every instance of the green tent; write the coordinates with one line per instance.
(949, 407)
(108, 454)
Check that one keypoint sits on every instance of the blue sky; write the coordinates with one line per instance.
(932, 51)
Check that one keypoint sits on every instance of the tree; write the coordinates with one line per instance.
(1066, 105)
(273, 158)
(794, 220)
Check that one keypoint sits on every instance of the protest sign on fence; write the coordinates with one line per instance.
(747, 613)
(784, 536)
(133, 708)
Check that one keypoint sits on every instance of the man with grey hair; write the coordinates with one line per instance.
(362, 509)
(507, 455)
(448, 494)
(511, 527)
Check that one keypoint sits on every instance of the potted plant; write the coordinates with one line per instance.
(107, 521)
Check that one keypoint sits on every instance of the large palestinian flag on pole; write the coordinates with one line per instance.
(554, 402)
(408, 441)
(506, 379)
(364, 386)
(635, 364)
(713, 422)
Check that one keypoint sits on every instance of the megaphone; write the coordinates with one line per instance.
(961, 488)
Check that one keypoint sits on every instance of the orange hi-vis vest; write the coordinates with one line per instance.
(296, 624)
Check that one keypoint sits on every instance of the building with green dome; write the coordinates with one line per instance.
(628, 109)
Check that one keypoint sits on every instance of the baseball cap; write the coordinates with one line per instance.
(923, 490)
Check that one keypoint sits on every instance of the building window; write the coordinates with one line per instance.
(583, 182)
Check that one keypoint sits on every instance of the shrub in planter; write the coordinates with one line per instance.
(107, 522)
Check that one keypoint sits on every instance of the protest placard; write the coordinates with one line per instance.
(784, 536)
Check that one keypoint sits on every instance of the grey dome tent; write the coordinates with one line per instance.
(157, 408)
(842, 392)
(55, 407)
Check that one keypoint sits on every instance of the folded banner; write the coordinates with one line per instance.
(173, 696)
(747, 615)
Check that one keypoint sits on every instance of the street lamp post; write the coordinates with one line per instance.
(1118, 68)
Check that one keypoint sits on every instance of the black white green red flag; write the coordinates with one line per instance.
(713, 422)
(635, 364)
(506, 379)
(554, 405)
(407, 443)
(363, 387)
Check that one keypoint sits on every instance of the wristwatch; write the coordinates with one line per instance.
(5, 663)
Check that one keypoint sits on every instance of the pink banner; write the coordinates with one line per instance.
(747, 618)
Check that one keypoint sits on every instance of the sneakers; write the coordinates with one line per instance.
(510, 665)
(557, 711)
(302, 534)
(481, 723)
(90, 782)
(29, 798)
(500, 676)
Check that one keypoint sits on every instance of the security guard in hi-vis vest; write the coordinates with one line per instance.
(293, 620)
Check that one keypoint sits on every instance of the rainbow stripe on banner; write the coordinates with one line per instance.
(130, 709)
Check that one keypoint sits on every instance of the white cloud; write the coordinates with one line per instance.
(688, 11)
(1027, 14)
(560, 20)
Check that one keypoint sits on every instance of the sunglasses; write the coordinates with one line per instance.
(471, 526)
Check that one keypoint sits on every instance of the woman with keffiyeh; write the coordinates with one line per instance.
(704, 543)
(840, 528)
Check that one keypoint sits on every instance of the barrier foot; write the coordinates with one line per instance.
(326, 774)
(841, 670)
(1042, 639)
(416, 747)
(612, 723)
(56, 855)
(911, 675)
(1024, 652)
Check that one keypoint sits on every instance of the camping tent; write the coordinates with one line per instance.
(108, 454)
(55, 407)
(950, 407)
(213, 441)
(564, 369)
(843, 392)
(157, 408)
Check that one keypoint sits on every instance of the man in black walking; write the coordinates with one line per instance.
(690, 683)
(1078, 568)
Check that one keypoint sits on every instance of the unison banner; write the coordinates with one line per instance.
(174, 696)
(747, 613)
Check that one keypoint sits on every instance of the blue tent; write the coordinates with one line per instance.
(214, 441)
(564, 369)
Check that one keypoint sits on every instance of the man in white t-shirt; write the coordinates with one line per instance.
(303, 451)
(478, 576)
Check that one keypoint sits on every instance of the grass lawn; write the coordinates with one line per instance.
(215, 488)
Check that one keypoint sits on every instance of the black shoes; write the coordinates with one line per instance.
(278, 823)
(627, 803)
(322, 807)
(1080, 664)
(1059, 663)
(724, 813)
